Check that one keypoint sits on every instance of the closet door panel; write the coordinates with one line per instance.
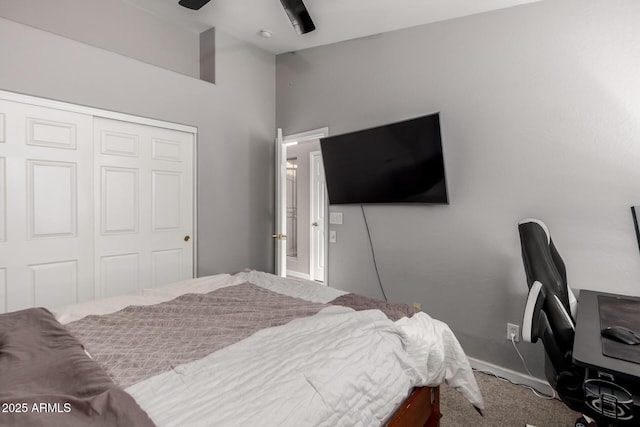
(119, 200)
(118, 273)
(52, 194)
(46, 207)
(3, 205)
(54, 284)
(145, 191)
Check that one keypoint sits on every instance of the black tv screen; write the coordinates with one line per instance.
(397, 163)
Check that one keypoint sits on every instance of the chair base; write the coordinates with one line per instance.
(583, 422)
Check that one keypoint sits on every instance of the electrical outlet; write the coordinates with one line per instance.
(513, 330)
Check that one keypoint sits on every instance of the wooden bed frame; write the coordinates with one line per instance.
(421, 409)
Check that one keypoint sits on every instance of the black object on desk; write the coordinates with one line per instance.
(620, 334)
(619, 312)
(612, 383)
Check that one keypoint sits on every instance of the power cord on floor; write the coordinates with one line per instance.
(536, 392)
(526, 368)
(533, 390)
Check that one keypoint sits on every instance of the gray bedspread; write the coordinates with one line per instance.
(46, 379)
(359, 302)
(141, 341)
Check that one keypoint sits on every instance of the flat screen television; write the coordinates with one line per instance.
(396, 163)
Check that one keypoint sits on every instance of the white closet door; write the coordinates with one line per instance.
(46, 207)
(144, 190)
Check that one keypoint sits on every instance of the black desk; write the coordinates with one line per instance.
(587, 345)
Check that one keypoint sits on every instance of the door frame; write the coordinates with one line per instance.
(297, 138)
(108, 114)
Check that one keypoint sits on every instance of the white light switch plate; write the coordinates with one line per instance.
(335, 218)
(333, 236)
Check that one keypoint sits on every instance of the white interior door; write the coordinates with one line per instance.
(143, 180)
(46, 207)
(318, 215)
(280, 219)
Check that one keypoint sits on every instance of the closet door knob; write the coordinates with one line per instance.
(187, 238)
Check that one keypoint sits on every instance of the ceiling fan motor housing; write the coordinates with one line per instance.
(193, 4)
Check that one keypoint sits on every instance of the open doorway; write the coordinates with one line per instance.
(306, 206)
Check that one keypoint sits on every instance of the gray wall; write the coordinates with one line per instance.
(540, 118)
(117, 26)
(235, 120)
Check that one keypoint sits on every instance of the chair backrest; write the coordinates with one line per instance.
(548, 314)
(542, 262)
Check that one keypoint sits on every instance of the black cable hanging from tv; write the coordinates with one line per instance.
(373, 254)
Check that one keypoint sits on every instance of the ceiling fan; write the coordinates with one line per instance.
(296, 11)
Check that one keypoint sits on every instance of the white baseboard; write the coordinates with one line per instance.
(298, 275)
(538, 384)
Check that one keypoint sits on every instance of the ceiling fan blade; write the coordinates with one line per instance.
(299, 16)
(193, 4)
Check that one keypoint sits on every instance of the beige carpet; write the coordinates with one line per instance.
(506, 405)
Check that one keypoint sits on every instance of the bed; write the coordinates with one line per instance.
(232, 350)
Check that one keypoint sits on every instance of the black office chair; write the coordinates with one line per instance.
(550, 315)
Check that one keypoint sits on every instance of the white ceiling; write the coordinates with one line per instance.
(335, 20)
